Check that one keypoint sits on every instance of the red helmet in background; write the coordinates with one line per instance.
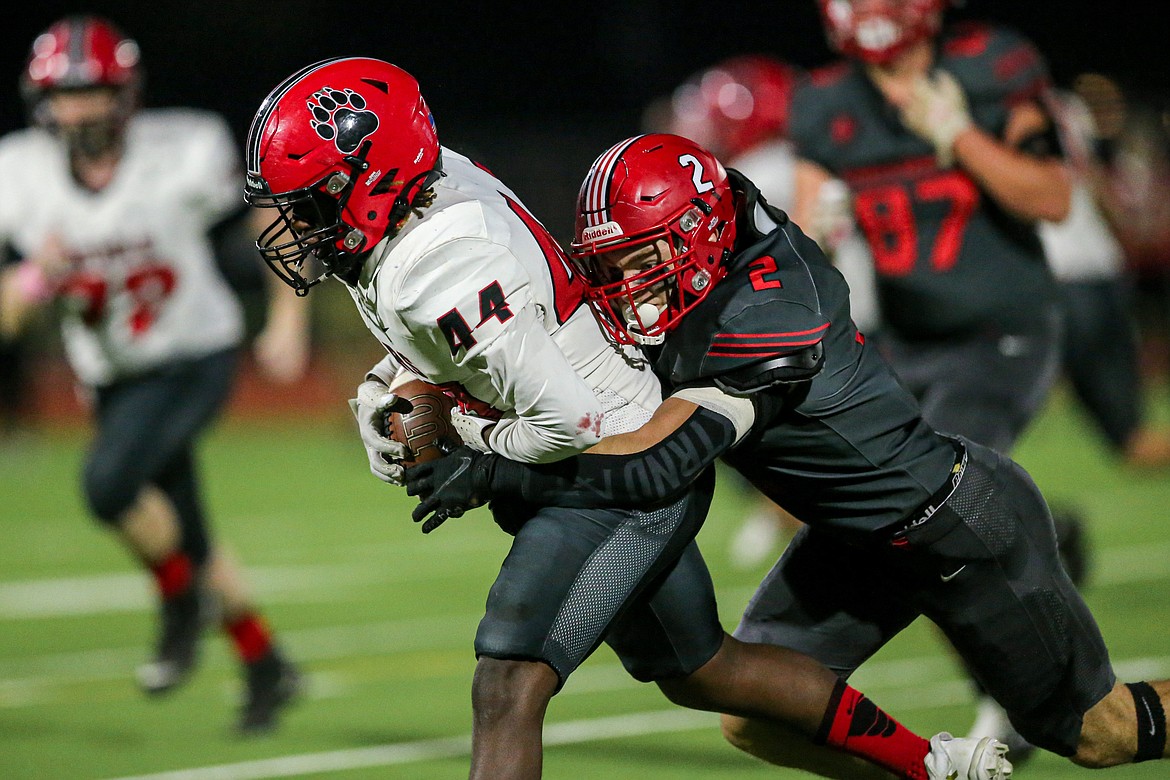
(78, 53)
(735, 105)
(877, 31)
(646, 189)
(343, 149)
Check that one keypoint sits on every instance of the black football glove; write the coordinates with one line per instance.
(449, 486)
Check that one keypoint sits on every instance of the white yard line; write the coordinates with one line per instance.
(131, 591)
(909, 695)
(567, 733)
(33, 679)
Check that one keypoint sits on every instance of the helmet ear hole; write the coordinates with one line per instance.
(384, 184)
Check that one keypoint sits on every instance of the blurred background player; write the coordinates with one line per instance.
(110, 210)
(739, 109)
(1101, 343)
(946, 143)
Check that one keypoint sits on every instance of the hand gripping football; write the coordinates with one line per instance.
(428, 424)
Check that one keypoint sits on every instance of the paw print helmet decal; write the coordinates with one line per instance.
(342, 149)
(341, 116)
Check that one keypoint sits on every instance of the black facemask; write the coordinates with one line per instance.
(91, 140)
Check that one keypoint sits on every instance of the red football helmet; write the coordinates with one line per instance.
(643, 191)
(343, 149)
(877, 31)
(734, 105)
(83, 52)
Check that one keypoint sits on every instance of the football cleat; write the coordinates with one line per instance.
(960, 758)
(991, 720)
(182, 619)
(272, 683)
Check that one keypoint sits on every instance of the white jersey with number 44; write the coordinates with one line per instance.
(476, 292)
(144, 289)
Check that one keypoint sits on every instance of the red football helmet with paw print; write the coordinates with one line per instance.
(735, 105)
(83, 53)
(877, 31)
(343, 149)
(663, 192)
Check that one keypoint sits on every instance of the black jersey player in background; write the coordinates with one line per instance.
(943, 137)
(749, 328)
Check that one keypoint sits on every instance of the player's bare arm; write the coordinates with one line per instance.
(1030, 187)
(810, 178)
(667, 419)
(282, 347)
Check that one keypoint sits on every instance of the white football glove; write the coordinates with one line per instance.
(937, 112)
(374, 401)
(833, 216)
(471, 429)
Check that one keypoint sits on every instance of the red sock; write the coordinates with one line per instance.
(857, 726)
(251, 636)
(173, 574)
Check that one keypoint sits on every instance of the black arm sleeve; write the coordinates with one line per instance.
(637, 480)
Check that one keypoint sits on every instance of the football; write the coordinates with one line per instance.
(427, 424)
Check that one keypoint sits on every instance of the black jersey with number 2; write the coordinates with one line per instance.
(846, 449)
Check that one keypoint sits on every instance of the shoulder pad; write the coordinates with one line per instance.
(996, 61)
(821, 102)
(828, 75)
(786, 369)
(767, 308)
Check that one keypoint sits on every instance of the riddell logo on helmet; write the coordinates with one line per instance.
(602, 231)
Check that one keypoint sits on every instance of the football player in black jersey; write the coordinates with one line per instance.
(944, 137)
(749, 328)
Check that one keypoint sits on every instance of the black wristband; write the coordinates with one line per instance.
(1151, 722)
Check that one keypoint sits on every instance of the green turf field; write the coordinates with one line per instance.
(382, 619)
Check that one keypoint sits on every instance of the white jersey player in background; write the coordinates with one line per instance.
(1101, 344)
(466, 289)
(109, 210)
(738, 109)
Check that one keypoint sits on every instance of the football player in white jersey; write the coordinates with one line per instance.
(111, 209)
(465, 288)
(1101, 346)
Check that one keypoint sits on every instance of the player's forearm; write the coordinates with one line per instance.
(544, 437)
(556, 414)
(639, 479)
(1025, 186)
